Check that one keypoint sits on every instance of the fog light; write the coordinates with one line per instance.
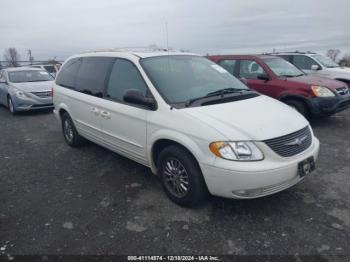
(248, 192)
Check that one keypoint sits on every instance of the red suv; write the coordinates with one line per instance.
(275, 77)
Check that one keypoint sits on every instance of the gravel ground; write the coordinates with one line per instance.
(60, 200)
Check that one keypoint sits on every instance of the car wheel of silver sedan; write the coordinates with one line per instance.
(10, 105)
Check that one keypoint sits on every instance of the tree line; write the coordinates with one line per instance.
(12, 57)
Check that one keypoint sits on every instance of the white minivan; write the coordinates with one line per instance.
(193, 123)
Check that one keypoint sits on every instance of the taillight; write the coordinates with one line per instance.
(52, 91)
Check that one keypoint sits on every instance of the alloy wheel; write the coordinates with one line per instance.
(176, 178)
(68, 131)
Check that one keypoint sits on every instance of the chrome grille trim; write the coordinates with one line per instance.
(292, 144)
(343, 90)
(43, 94)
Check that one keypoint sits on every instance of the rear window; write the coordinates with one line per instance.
(68, 73)
(92, 75)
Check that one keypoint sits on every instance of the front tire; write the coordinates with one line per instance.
(181, 177)
(299, 106)
(10, 105)
(70, 133)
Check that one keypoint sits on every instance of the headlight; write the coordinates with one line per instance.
(321, 91)
(239, 151)
(20, 93)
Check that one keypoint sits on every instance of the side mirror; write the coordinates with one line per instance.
(264, 77)
(135, 97)
(315, 67)
(244, 80)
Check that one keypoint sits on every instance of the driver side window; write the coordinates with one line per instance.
(124, 76)
(250, 69)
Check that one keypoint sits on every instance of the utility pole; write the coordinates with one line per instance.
(31, 59)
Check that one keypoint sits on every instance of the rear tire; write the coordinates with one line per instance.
(70, 133)
(299, 106)
(181, 177)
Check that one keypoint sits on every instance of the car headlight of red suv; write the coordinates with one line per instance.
(321, 91)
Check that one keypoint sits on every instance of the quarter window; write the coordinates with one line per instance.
(124, 76)
(250, 69)
(303, 62)
(229, 65)
(67, 75)
(92, 75)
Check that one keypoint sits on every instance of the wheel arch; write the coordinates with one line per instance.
(346, 81)
(161, 141)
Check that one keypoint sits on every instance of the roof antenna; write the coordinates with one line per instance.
(167, 49)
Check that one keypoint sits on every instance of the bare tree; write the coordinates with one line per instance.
(31, 58)
(333, 54)
(12, 56)
(345, 61)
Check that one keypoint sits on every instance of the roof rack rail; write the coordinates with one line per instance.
(289, 52)
(152, 48)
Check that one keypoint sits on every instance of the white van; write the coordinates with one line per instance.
(194, 124)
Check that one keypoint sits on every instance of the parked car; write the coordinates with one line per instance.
(25, 88)
(51, 69)
(316, 64)
(275, 77)
(189, 120)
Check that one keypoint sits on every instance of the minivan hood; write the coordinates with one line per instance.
(257, 118)
(316, 80)
(34, 86)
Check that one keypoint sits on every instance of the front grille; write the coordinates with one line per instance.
(42, 105)
(343, 90)
(43, 94)
(292, 144)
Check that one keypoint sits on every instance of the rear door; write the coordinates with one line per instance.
(85, 79)
(125, 125)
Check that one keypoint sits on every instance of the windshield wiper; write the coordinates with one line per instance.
(216, 93)
(225, 91)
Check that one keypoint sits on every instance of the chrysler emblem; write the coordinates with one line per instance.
(296, 142)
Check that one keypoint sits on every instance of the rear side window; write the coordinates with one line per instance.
(250, 69)
(68, 73)
(229, 65)
(124, 76)
(92, 75)
(303, 62)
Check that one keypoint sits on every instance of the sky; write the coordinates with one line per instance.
(65, 27)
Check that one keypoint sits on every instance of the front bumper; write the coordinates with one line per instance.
(329, 105)
(244, 180)
(32, 103)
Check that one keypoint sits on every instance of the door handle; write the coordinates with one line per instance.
(95, 111)
(105, 114)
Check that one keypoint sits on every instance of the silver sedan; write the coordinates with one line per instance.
(25, 88)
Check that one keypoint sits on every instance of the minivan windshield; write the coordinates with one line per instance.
(29, 76)
(325, 61)
(281, 67)
(182, 78)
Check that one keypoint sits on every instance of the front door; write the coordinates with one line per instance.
(124, 125)
(250, 69)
